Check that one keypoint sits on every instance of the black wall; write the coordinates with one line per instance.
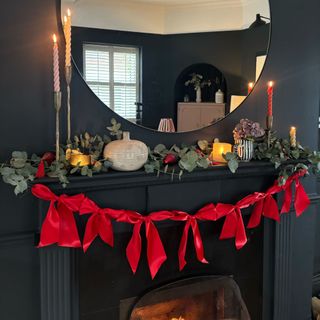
(27, 122)
(164, 57)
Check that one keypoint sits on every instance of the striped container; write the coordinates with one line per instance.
(244, 149)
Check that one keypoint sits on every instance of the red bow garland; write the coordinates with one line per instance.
(59, 225)
(266, 206)
(208, 213)
(99, 224)
(301, 200)
(233, 226)
(155, 251)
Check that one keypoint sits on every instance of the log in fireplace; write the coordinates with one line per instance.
(207, 297)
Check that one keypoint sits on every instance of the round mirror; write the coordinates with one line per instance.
(170, 65)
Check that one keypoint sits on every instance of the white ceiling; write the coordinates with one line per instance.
(166, 16)
(184, 2)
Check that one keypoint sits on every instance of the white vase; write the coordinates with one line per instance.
(198, 94)
(244, 149)
(126, 154)
(219, 96)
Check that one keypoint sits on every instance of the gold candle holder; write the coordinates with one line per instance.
(57, 106)
(269, 123)
(68, 74)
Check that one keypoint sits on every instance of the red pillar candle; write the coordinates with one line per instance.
(56, 72)
(250, 87)
(270, 98)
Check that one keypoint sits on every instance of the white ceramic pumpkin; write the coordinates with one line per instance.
(126, 154)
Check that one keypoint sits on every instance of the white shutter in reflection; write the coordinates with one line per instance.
(113, 75)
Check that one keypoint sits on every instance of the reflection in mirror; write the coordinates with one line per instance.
(170, 65)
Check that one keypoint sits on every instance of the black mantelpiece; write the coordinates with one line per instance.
(28, 120)
(263, 269)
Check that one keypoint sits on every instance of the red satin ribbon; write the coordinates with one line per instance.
(99, 224)
(233, 226)
(265, 206)
(48, 157)
(301, 200)
(155, 251)
(59, 225)
(208, 213)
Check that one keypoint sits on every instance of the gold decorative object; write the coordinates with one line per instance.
(269, 129)
(68, 71)
(80, 160)
(218, 149)
(57, 106)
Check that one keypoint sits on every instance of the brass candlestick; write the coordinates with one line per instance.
(57, 106)
(269, 129)
(68, 71)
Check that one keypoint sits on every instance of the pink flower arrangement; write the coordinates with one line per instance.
(247, 129)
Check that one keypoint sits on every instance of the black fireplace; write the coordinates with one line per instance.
(251, 283)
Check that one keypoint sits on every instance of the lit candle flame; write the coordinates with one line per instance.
(251, 84)
(270, 84)
(65, 19)
(69, 12)
(54, 37)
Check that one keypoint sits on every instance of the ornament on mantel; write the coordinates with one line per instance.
(126, 154)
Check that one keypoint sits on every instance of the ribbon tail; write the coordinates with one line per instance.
(183, 246)
(155, 251)
(197, 240)
(301, 201)
(229, 227)
(270, 209)
(105, 230)
(256, 215)
(41, 170)
(287, 199)
(241, 236)
(90, 233)
(50, 227)
(133, 250)
(68, 236)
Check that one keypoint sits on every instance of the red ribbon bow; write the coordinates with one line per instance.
(59, 225)
(266, 206)
(208, 213)
(155, 251)
(233, 226)
(99, 224)
(301, 201)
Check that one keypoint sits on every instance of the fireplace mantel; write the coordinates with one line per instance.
(60, 267)
(115, 179)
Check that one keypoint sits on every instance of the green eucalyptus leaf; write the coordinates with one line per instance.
(160, 148)
(233, 165)
(84, 170)
(203, 163)
(149, 168)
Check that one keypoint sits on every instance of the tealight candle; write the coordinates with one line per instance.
(293, 137)
(219, 149)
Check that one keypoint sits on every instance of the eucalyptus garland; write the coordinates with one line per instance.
(174, 161)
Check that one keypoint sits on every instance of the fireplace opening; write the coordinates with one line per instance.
(206, 297)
